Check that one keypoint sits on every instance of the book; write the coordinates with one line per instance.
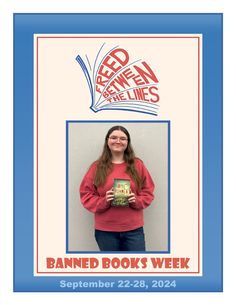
(121, 188)
(116, 81)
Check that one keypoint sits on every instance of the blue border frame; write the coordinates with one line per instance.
(211, 27)
(67, 178)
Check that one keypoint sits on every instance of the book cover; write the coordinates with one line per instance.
(121, 189)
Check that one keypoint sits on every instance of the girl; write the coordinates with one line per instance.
(117, 228)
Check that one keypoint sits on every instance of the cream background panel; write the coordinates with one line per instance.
(64, 95)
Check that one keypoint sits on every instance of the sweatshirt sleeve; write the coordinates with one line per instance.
(89, 196)
(145, 196)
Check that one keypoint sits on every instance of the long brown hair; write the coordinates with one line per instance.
(104, 163)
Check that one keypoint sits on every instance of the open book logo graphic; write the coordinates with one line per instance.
(116, 82)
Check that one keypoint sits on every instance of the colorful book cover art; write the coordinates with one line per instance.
(121, 189)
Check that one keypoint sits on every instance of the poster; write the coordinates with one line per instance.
(75, 77)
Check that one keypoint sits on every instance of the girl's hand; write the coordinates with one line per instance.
(109, 195)
(131, 198)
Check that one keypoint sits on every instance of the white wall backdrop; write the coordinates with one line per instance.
(85, 143)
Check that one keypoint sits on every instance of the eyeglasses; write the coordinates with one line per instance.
(114, 139)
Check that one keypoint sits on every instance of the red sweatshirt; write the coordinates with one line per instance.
(117, 219)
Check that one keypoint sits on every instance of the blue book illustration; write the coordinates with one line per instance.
(117, 82)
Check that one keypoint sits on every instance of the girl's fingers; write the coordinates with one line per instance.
(131, 198)
(109, 195)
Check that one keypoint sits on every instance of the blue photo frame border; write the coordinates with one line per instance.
(210, 25)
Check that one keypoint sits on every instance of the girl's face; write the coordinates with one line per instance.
(117, 141)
